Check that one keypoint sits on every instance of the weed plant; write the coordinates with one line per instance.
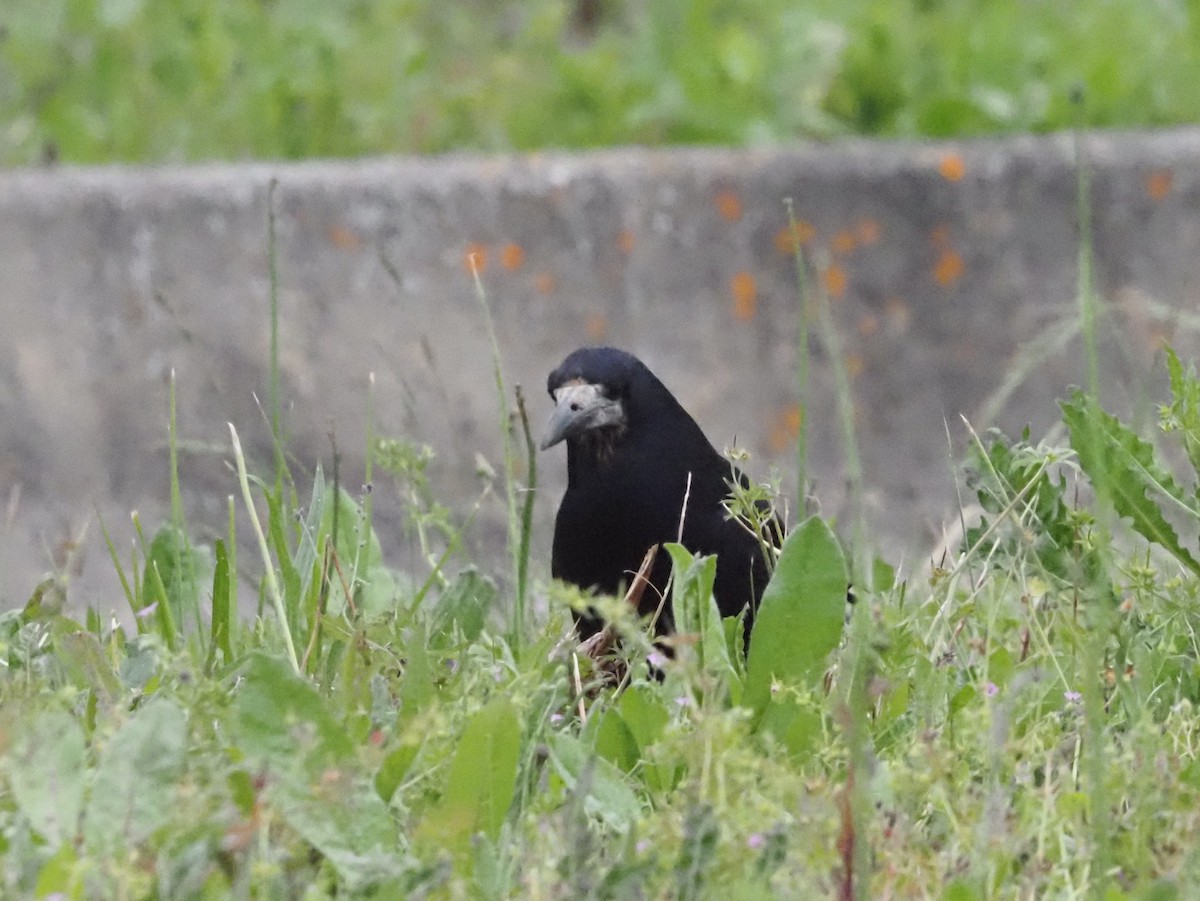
(1018, 722)
(88, 81)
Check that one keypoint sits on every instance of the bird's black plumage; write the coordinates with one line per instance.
(630, 449)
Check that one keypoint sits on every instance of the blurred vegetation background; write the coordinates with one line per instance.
(138, 81)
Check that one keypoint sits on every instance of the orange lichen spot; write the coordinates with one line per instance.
(855, 364)
(844, 241)
(787, 239)
(868, 325)
(744, 289)
(475, 257)
(343, 238)
(625, 241)
(596, 326)
(729, 206)
(952, 167)
(785, 428)
(948, 268)
(512, 257)
(1158, 184)
(940, 236)
(868, 231)
(545, 283)
(835, 281)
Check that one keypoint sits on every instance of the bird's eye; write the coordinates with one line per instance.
(574, 407)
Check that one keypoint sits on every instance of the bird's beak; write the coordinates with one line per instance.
(578, 408)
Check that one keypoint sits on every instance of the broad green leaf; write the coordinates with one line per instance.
(46, 769)
(61, 877)
(279, 717)
(482, 778)
(644, 713)
(1122, 467)
(343, 817)
(646, 717)
(798, 728)
(133, 792)
(614, 741)
(801, 615)
(185, 571)
(395, 766)
(607, 794)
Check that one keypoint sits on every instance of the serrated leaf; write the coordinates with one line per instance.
(1183, 415)
(1122, 466)
(801, 615)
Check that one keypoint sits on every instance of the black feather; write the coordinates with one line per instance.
(625, 491)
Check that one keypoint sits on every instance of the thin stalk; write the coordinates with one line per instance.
(1093, 645)
(530, 493)
(1087, 294)
(269, 567)
(802, 361)
(510, 463)
(845, 407)
(273, 275)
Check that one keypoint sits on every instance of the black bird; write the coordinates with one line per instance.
(630, 450)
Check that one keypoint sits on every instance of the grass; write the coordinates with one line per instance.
(89, 81)
(1018, 721)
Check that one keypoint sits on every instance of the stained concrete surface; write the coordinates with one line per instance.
(950, 269)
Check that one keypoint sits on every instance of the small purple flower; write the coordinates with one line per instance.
(991, 689)
(654, 658)
(755, 841)
(1073, 696)
(684, 701)
(643, 846)
(556, 719)
(148, 610)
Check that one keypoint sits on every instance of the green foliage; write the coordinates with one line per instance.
(1125, 470)
(1024, 492)
(101, 80)
(136, 776)
(420, 752)
(695, 613)
(800, 619)
(482, 779)
(49, 755)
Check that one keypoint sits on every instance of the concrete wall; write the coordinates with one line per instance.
(950, 267)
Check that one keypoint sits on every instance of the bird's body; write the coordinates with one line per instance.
(633, 456)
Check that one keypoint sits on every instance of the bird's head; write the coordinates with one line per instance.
(590, 389)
